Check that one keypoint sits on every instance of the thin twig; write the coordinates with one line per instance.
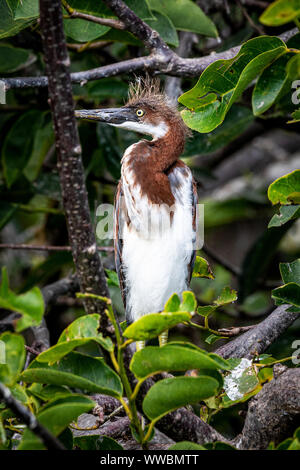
(112, 23)
(50, 441)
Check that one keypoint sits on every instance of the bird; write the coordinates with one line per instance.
(155, 210)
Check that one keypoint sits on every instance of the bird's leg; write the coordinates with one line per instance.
(163, 338)
(140, 345)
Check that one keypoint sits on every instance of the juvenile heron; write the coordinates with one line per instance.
(155, 203)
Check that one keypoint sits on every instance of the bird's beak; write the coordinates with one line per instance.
(110, 115)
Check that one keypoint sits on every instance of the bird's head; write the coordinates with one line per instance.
(147, 111)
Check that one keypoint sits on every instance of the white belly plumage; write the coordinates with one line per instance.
(155, 267)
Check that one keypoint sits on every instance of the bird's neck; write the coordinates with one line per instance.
(148, 162)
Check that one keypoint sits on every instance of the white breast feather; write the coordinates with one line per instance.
(157, 266)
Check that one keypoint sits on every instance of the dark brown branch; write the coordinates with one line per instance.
(171, 65)
(75, 201)
(12, 246)
(258, 339)
(50, 441)
(94, 19)
(273, 413)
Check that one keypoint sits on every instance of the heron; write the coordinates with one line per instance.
(155, 202)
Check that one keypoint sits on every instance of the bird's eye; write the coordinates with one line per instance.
(139, 112)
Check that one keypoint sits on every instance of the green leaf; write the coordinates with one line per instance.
(96, 443)
(286, 213)
(296, 117)
(152, 325)
(83, 327)
(14, 358)
(287, 294)
(113, 279)
(223, 82)
(83, 31)
(77, 371)
(169, 394)
(42, 142)
(286, 189)
(227, 296)
(154, 359)
(186, 445)
(8, 25)
(189, 303)
(293, 67)
(270, 84)
(24, 9)
(18, 144)
(186, 16)
(206, 310)
(172, 304)
(56, 416)
(280, 12)
(164, 26)
(258, 258)
(30, 304)
(235, 123)
(211, 339)
(290, 272)
(202, 268)
(13, 59)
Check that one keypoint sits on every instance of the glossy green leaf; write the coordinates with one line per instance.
(30, 304)
(154, 359)
(287, 294)
(286, 189)
(172, 304)
(14, 357)
(189, 302)
(169, 394)
(211, 339)
(280, 12)
(296, 117)
(153, 324)
(82, 30)
(293, 67)
(164, 26)
(286, 213)
(270, 84)
(56, 416)
(235, 123)
(26, 9)
(227, 296)
(113, 279)
(186, 445)
(206, 310)
(13, 59)
(202, 268)
(18, 144)
(42, 142)
(76, 370)
(96, 443)
(290, 272)
(140, 7)
(223, 82)
(186, 16)
(8, 25)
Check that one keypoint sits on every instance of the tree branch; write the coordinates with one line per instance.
(258, 339)
(23, 246)
(169, 64)
(94, 19)
(50, 441)
(75, 201)
(273, 413)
